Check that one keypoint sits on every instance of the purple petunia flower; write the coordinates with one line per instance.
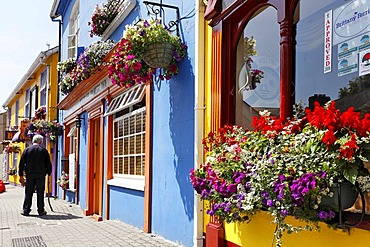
(284, 212)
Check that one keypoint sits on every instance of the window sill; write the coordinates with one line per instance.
(127, 6)
(128, 183)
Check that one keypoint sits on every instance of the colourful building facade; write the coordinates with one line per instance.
(38, 87)
(300, 54)
(130, 161)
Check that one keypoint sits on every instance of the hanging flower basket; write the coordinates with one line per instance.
(159, 55)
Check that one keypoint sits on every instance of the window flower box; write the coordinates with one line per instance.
(285, 167)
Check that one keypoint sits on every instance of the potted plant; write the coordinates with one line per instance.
(12, 171)
(145, 47)
(63, 181)
(49, 129)
(40, 113)
(12, 148)
(253, 76)
(284, 167)
(103, 16)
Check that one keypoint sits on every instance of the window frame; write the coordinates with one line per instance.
(27, 104)
(16, 113)
(74, 30)
(43, 87)
(130, 181)
(33, 101)
(128, 6)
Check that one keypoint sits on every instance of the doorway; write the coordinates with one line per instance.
(95, 164)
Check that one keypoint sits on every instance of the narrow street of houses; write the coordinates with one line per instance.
(66, 226)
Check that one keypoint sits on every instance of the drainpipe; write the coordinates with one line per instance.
(56, 146)
(198, 115)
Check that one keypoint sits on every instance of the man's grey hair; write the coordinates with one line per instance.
(37, 139)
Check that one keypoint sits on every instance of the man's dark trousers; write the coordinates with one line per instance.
(30, 188)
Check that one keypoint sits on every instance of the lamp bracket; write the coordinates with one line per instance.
(158, 10)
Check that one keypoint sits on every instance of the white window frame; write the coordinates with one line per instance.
(43, 87)
(27, 112)
(127, 100)
(33, 101)
(16, 113)
(125, 9)
(74, 30)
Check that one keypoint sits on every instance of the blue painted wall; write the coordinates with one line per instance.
(83, 162)
(127, 205)
(173, 136)
(173, 144)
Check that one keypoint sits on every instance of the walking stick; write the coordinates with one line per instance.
(51, 208)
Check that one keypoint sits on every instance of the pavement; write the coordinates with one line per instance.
(66, 226)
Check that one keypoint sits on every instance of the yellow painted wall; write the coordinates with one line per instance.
(51, 61)
(207, 97)
(260, 233)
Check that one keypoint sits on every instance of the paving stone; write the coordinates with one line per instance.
(66, 226)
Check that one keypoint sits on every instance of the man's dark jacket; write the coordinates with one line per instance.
(35, 161)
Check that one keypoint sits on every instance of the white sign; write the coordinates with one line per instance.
(328, 41)
(72, 173)
(351, 20)
(364, 62)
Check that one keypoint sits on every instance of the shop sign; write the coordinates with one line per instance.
(328, 42)
(9, 134)
(351, 20)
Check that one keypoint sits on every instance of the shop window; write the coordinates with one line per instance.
(333, 53)
(129, 128)
(74, 30)
(252, 95)
(333, 60)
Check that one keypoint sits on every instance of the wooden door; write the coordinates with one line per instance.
(95, 164)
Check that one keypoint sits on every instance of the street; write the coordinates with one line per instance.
(66, 226)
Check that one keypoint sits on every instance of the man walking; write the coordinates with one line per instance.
(35, 164)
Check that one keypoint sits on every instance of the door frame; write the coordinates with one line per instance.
(95, 121)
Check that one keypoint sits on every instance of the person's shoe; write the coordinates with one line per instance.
(42, 213)
(25, 213)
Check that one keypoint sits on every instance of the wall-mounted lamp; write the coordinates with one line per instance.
(78, 121)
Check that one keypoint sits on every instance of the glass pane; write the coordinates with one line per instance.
(258, 55)
(115, 147)
(115, 165)
(115, 129)
(143, 165)
(126, 146)
(132, 125)
(335, 67)
(125, 165)
(132, 145)
(138, 147)
(139, 119)
(139, 166)
(132, 166)
(125, 127)
(120, 170)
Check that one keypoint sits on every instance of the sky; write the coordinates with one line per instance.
(25, 31)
